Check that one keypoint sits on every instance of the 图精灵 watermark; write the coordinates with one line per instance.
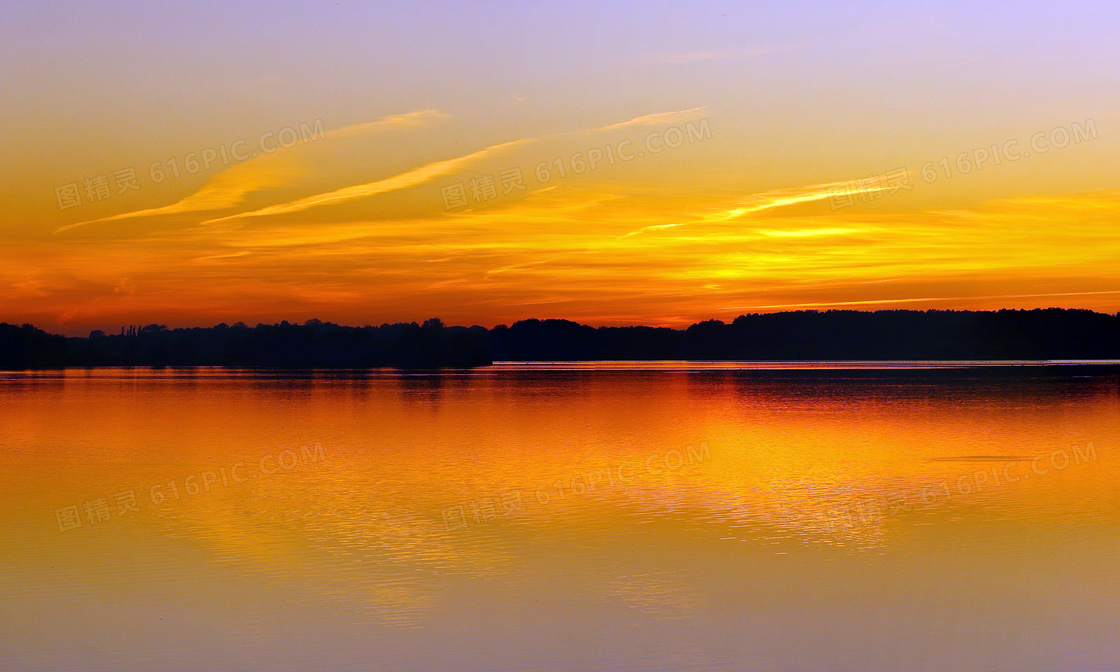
(578, 484)
(484, 187)
(870, 509)
(120, 182)
(101, 509)
(949, 166)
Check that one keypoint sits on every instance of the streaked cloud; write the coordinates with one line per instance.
(404, 180)
(652, 119)
(229, 188)
(429, 172)
(776, 198)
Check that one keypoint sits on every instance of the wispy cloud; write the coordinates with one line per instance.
(767, 200)
(404, 180)
(393, 122)
(652, 119)
(431, 171)
(230, 187)
(811, 233)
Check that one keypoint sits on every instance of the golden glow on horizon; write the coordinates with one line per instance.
(673, 165)
(293, 235)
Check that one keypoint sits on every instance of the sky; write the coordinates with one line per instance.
(612, 163)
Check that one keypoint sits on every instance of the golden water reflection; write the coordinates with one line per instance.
(795, 521)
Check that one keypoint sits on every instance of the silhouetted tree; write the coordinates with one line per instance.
(1050, 334)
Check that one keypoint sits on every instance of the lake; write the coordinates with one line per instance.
(616, 516)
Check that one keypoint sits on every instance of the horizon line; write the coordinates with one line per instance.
(282, 322)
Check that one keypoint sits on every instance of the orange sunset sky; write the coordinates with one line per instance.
(652, 164)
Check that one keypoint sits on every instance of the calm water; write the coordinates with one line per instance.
(658, 517)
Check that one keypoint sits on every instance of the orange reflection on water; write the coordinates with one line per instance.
(653, 494)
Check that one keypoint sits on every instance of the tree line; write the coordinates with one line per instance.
(1041, 334)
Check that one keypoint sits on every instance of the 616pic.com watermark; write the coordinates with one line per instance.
(484, 187)
(98, 510)
(98, 187)
(601, 478)
(873, 187)
(870, 509)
